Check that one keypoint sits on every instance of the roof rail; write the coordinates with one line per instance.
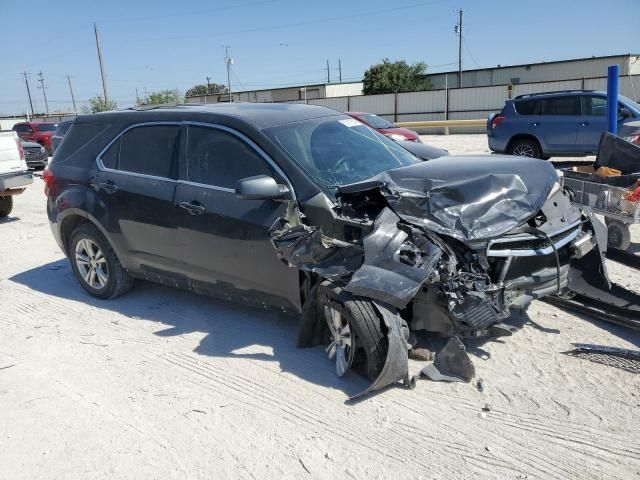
(575, 90)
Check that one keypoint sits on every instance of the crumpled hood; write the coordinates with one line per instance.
(469, 198)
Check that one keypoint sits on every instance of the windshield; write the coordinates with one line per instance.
(376, 121)
(630, 104)
(337, 151)
(46, 127)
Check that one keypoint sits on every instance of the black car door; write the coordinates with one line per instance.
(135, 184)
(227, 246)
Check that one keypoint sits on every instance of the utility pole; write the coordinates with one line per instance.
(26, 81)
(458, 30)
(44, 91)
(137, 97)
(339, 71)
(73, 99)
(208, 85)
(229, 61)
(328, 72)
(104, 81)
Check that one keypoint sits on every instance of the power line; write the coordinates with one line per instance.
(199, 13)
(298, 24)
(469, 52)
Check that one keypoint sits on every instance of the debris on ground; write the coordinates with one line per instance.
(451, 364)
(616, 357)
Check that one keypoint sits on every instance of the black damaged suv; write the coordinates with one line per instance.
(305, 209)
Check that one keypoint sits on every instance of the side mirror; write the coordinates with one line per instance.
(260, 187)
(624, 112)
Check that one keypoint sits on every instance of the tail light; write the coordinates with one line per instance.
(497, 121)
(48, 177)
(20, 149)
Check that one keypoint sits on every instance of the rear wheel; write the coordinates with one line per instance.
(6, 205)
(618, 235)
(95, 264)
(525, 147)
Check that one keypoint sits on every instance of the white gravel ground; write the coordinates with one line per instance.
(164, 384)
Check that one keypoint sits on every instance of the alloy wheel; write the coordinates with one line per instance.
(523, 150)
(91, 263)
(342, 346)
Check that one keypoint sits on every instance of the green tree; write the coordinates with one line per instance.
(209, 89)
(398, 76)
(98, 104)
(162, 97)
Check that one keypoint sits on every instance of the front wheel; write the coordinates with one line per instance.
(525, 147)
(95, 264)
(357, 339)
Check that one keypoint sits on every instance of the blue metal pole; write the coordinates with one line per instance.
(612, 99)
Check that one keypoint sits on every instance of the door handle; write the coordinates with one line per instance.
(108, 187)
(584, 124)
(534, 124)
(192, 208)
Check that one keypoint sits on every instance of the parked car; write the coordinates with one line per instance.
(35, 154)
(14, 173)
(300, 208)
(37, 132)
(61, 130)
(566, 123)
(385, 127)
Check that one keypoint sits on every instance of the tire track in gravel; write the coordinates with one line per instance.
(576, 429)
(541, 427)
(294, 409)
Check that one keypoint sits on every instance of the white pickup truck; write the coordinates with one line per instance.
(14, 173)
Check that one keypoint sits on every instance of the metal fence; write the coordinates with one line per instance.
(462, 103)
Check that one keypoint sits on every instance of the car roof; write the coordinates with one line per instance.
(560, 93)
(261, 115)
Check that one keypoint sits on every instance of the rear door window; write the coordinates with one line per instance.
(218, 158)
(149, 150)
(566, 105)
(528, 107)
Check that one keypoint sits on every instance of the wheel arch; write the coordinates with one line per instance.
(72, 219)
(525, 136)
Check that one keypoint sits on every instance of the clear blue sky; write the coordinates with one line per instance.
(159, 44)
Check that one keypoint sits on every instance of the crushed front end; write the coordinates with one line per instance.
(445, 246)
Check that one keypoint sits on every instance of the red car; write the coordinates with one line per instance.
(385, 127)
(37, 132)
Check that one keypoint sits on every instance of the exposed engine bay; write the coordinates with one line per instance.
(443, 246)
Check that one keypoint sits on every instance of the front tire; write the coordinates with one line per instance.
(356, 337)
(525, 147)
(6, 205)
(95, 264)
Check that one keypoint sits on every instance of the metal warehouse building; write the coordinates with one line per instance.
(285, 94)
(629, 64)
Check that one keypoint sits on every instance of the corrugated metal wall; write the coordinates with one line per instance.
(464, 103)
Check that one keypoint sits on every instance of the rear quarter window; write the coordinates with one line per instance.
(527, 107)
(80, 143)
